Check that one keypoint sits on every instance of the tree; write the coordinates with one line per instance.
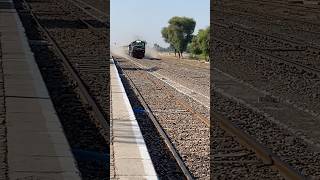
(204, 41)
(179, 33)
(194, 46)
(200, 43)
(162, 49)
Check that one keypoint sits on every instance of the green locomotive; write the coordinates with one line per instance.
(137, 49)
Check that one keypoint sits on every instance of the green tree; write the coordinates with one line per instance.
(194, 46)
(204, 41)
(179, 33)
(167, 36)
(200, 43)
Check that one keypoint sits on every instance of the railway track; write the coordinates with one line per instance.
(278, 20)
(259, 50)
(250, 142)
(194, 76)
(89, 64)
(76, 86)
(296, 50)
(169, 109)
(287, 5)
(289, 148)
(261, 44)
(158, 127)
(263, 161)
(258, 37)
(291, 51)
(84, 92)
(266, 72)
(306, 33)
(269, 8)
(235, 144)
(101, 5)
(268, 158)
(90, 10)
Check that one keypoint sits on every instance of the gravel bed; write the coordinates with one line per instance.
(88, 141)
(196, 78)
(165, 164)
(304, 55)
(278, 78)
(294, 17)
(187, 133)
(270, 25)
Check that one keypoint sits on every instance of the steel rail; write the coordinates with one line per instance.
(262, 18)
(271, 15)
(268, 157)
(91, 7)
(237, 27)
(268, 55)
(197, 115)
(84, 9)
(91, 27)
(285, 5)
(276, 35)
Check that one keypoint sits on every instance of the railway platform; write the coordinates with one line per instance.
(130, 158)
(36, 146)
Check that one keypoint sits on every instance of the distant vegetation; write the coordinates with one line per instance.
(162, 49)
(179, 34)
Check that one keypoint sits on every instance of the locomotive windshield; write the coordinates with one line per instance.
(139, 44)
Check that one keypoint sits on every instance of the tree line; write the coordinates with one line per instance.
(179, 34)
(162, 49)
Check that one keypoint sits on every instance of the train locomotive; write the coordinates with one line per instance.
(137, 49)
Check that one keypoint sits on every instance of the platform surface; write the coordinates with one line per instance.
(37, 146)
(131, 159)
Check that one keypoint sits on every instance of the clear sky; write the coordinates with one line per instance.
(144, 19)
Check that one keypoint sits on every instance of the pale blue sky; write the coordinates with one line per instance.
(131, 19)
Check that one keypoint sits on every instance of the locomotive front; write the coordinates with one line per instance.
(137, 49)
